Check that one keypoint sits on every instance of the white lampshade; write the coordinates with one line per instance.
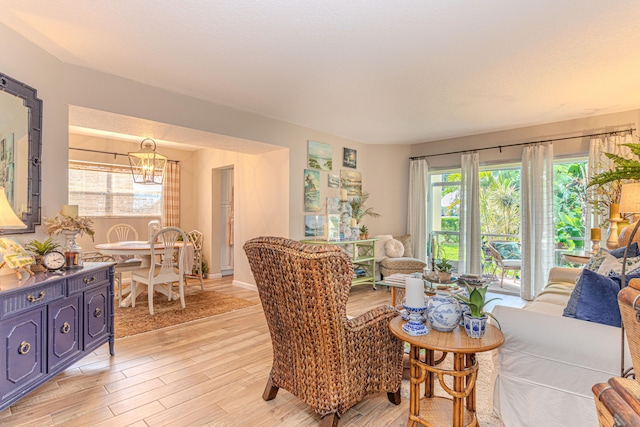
(147, 165)
(630, 198)
(8, 218)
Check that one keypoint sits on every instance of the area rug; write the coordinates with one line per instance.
(484, 411)
(135, 320)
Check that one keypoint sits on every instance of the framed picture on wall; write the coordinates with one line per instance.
(333, 180)
(320, 156)
(311, 190)
(349, 158)
(351, 181)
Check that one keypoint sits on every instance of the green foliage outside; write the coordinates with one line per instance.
(500, 206)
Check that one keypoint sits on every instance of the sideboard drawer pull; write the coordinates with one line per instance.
(66, 328)
(31, 298)
(24, 347)
(97, 312)
(88, 280)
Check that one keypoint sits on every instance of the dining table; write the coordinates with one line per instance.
(142, 249)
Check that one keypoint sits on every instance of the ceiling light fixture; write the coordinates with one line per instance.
(147, 165)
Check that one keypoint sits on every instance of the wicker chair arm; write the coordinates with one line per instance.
(371, 318)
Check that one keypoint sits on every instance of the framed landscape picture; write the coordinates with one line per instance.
(351, 181)
(320, 156)
(311, 190)
(349, 158)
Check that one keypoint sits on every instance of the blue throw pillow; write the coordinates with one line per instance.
(633, 251)
(572, 304)
(598, 300)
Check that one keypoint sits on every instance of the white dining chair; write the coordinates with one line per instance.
(153, 227)
(170, 270)
(124, 263)
(196, 238)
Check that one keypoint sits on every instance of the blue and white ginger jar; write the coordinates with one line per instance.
(443, 312)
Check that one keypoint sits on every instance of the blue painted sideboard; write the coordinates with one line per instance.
(49, 321)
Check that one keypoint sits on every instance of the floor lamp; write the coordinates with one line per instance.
(629, 203)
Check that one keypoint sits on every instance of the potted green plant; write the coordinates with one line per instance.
(364, 232)
(474, 316)
(359, 209)
(39, 250)
(444, 268)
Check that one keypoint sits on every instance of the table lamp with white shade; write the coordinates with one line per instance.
(8, 218)
(629, 203)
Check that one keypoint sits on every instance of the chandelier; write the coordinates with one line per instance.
(147, 165)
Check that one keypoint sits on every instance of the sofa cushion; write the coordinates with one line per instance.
(508, 250)
(393, 248)
(406, 242)
(382, 239)
(596, 260)
(612, 266)
(598, 300)
(633, 251)
(403, 264)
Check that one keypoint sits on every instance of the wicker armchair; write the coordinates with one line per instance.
(320, 356)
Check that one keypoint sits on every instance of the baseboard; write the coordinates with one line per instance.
(214, 276)
(245, 285)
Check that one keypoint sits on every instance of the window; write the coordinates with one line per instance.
(102, 190)
(500, 207)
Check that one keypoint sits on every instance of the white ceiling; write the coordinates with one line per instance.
(375, 71)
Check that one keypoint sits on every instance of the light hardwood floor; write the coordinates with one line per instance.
(209, 372)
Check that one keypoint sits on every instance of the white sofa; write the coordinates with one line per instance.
(544, 371)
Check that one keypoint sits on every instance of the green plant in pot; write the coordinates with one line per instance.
(364, 232)
(474, 316)
(39, 250)
(444, 268)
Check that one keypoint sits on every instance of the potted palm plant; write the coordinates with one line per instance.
(474, 316)
(359, 209)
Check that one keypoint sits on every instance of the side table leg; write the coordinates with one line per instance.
(429, 381)
(414, 387)
(458, 386)
(471, 399)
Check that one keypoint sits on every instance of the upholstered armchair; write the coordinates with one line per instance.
(329, 361)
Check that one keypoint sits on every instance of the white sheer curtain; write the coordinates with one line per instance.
(470, 235)
(598, 162)
(417, 206)
(536, 211)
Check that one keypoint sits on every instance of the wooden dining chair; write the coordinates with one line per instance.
(196, 238)
(161, 276)
(124, 263)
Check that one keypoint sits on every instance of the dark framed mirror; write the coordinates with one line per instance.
(20, 150)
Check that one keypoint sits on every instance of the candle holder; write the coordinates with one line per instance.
(595, 245)
(415, 325)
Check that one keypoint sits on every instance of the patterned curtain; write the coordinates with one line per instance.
(171, 195)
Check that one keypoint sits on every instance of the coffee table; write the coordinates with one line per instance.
(460, 409)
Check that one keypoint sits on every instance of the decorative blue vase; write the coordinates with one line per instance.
(475, 327)
(443, 312)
